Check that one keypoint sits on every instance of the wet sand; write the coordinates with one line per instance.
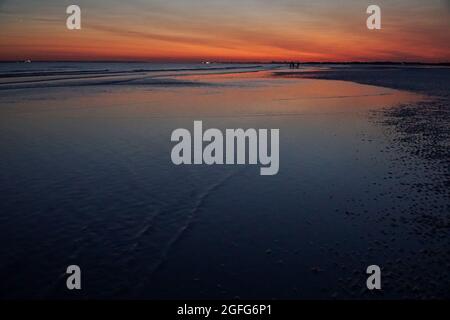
(87, 179)
(422, 130)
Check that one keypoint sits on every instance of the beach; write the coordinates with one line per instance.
(87, 179)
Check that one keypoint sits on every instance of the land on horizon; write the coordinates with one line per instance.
(238, 62)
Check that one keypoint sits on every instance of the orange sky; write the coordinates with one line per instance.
(244, 30)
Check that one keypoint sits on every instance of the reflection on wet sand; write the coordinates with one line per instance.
(88, 180)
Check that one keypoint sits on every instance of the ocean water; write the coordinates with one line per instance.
(87, 179)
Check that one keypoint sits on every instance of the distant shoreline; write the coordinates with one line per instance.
(418, 80)
(244, 62)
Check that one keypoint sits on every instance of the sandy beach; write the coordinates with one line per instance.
(87, 179)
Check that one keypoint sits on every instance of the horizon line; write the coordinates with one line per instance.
(234, 61)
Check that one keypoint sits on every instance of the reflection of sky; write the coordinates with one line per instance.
(225, 30)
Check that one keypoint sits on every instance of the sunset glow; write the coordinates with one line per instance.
(245, 30)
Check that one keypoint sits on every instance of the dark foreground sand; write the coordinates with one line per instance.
(423, 130)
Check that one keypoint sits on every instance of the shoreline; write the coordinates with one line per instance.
(416, 79)
(422, 128)
(425, 126)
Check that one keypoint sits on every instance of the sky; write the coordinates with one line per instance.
(225, 30)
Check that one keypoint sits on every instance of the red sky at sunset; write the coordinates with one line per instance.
(245, 30)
